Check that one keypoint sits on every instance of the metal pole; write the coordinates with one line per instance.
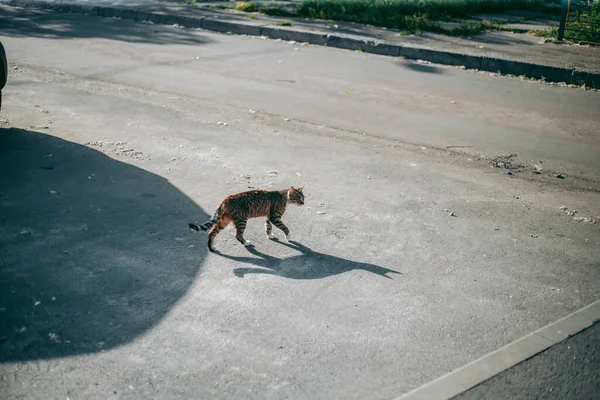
(563, 19)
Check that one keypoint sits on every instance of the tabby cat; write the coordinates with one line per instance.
(238, 208)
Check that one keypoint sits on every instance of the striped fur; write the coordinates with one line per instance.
(238, 208)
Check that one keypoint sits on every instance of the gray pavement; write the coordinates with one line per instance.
(494, 51)
(409, 260)
(568, 371)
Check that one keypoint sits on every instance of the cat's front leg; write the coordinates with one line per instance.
(269, 227)
(276, 220)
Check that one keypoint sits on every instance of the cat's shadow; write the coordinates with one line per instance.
(307, 265)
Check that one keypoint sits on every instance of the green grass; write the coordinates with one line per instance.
(246, 6)
(584, 25)
(401, 14)
(277, 11)
(404, 15)
(199, 2)
(550, 33)
(470, 28)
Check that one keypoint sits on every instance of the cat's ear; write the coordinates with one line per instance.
(291, 190)
(300, 188)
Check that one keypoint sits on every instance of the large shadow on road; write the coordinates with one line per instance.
(308, 265)
(91, 248)
(30, 22)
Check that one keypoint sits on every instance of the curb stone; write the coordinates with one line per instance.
(483, 63)
(230, 27)
(460, 380)
(167, 19)
(441, 57)
(295, 35)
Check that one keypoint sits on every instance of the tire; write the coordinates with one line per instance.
(3, 71)
(3, 67)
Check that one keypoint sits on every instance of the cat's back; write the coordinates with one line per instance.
(248, 196)
(253, 202)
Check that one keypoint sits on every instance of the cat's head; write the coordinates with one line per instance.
(295, 195)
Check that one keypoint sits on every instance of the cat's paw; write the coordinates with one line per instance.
(288, 237)
(247, 243)
(271, 236)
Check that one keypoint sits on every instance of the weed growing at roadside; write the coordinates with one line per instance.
(404, 15)
(584, 25)
(246, 6)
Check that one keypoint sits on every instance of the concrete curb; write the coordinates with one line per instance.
(484, 63)
(492, 364)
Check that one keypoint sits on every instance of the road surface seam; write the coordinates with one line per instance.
(492, 364)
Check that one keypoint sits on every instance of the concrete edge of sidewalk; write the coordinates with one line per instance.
(548, 73)
(464, 378)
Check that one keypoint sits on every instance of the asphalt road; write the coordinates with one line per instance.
(568, 371)
(409, 260)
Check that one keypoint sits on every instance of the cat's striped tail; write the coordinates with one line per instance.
(208, 224)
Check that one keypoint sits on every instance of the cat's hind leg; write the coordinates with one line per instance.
(214, 231)
(240, 227)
